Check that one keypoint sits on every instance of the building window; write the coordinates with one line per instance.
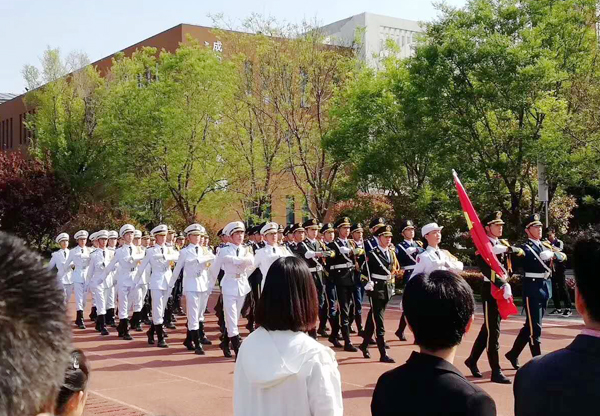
(290, 208)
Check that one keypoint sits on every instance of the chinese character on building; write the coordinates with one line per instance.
(218, 46)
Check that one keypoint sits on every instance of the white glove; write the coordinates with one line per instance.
(345, 250)
(507, 291)
(412, 250)
(369, 286)
(546, 255)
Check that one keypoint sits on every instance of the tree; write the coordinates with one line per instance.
(34, 203)
(164, 115)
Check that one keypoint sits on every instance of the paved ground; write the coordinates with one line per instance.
(132, 378)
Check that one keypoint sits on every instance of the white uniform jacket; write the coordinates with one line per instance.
(96, 271)
(125, 261)
(236, 262)
(266, 256)
(159, 259)
(435, 259)
(58, 260)
(195, 262)
(80, 257)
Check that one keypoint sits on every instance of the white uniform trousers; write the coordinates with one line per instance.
(91, 292)
(195, 303)
(110, 297)
(125, 295)
(67, 291)
(232, 308)
(80, 296)
(144, 293)
(137, 299)
(100, 295)
(159, 302)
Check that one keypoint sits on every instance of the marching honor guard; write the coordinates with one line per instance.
(489, 335)
(125, 262)
(374, 225)
(139, 291)
(159, 259)
(236, 260)
(433, 258)
(100, 284)
(327, 231)
(358, 291)
(80, 258)
(537, 288)
(407, 251)
(341, 270)
(59, 260)
(267, 255)
(312, 252)
(380, 267)
(194, 261)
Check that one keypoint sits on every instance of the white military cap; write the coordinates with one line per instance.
(93, 236)
(62, 237)
(111, 234)
(194, 229)
(269, 228)
(127, 228)
(81, 234)
(159, 230)
(429, 228)
(137, 234)
(101, 234)
(233, 227)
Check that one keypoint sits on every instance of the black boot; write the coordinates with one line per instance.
(236, 341)
(133, 321)
(110, 318)
(161, 337)
(97, 327)
(359, 327)
(120, 328)
(224, 345)
(126, 335)
(472, 366)
(93, 314)
(138, 322)
(536, 349)
(188, 341)
(168, 319)
(102, 320)
(144, 317)
(347, 343)
(196, 340)
(202, 335)
(150, 334)
(384, 358)
(401, 327)
(499, 377)
(335, 328)
(364, 347)
(322, 331)
(79, 320)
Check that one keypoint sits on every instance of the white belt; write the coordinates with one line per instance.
(538, 275)
(316, 269)
(342, 266)
(233, 276)
(381, 276)
(408, 267)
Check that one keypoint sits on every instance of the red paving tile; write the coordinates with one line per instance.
(132, 378)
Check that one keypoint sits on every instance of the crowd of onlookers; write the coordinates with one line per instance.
(281, 370)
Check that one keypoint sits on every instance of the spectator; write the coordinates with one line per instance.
(73, 393)
(565, 382)
(439, 310)
(34, 345)
(280, 369)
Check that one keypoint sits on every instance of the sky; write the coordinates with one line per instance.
(102, 27)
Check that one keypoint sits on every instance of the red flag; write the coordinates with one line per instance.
(506, 307)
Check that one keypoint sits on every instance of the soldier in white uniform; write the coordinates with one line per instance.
(195, 260)
(99, 259)
(433, 258)
(125, 262)
(237, 261)
(146, 301)
(80, 258)
(58, 260)
(161, 283)
(266, 256)
(92, 239)
(140, 290)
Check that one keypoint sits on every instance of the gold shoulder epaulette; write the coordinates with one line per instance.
(547, 245)
(419, 243)
(505, 242)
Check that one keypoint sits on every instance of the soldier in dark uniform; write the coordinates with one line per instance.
(537, 288)
(489, 334)
(327, 233)
(380, 267)
(312, 252)
(219, 305)
(560, 293)
(406, 252)
(358, 293)
(286, 236)
(374, 225)
(341, 271)
(255, 243)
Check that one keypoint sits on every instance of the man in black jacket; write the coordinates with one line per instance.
(566, 381)
(439, 309)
